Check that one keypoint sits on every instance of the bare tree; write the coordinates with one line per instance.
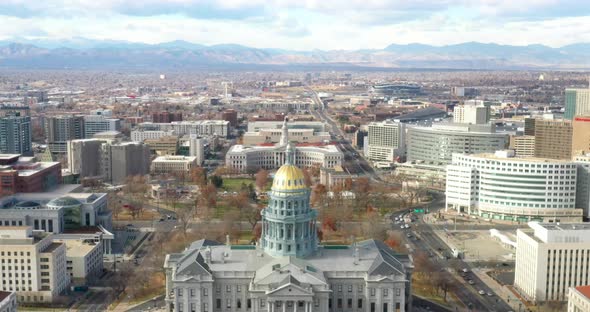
(262, 179)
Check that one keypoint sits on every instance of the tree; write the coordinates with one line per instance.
(307, 177)
(261, 179)
(198, 175)
(362, 189)
(216, 180)
(319, 195)
(257, 231)
(329, 223)
(185, 216)
(208, 196)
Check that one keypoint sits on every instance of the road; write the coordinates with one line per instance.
(431, 244)
(357, 164)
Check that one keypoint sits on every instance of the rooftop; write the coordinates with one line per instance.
(77, 248)
(520, 159)
(4, 295)
(584, 290)
(52, 247)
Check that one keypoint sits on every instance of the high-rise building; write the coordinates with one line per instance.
(230, 115)
(94, 124)
(126, 159)
(553, 138)
(523, 145)
(15, 135)
(42, 274)
(197, 149)
(288, 270)
(529, 126)
(500, 186)
(386, 141)
(580, 135)
(60, 129)
(473, 113)
(551, 258)
(84, 157)
(577, 102)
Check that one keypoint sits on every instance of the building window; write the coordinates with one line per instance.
(372, 292)
(385, 292)
(349, 303)
(205, 307)
(228, 303)
(349, 288)
(218, 303)
(339, 288)
(398, 291)
(359, 303)
(339, 304)
(227, 288)
(205, 292)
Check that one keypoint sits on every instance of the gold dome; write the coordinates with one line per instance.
(289, 177)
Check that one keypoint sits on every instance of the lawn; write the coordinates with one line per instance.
(234, 184)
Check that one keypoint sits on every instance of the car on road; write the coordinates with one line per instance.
(465, 270)
(481, 292)
(409, 235)
(490, 294)
(471, 282)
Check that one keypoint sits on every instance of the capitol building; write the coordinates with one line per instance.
(288, 270)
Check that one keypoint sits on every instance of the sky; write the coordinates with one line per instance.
(301, 24)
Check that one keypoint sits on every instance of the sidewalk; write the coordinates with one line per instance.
(504, 292)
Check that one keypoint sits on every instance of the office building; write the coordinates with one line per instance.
(197, 149)
(464, 91)
(41, 276)
(25, 174)
(553, 138)
(166, 117)
(337, 176)
(578, 299)
(271, 136)
(166, 145)
(7, 301)
(523, 145)
(287, 270)
(15, 135)
(180, 128)
(180, 165)
(551, 258)
(252, 158)
(472, 113)
(386, 141)
(436, 145)
(580, 135)
(500, 186)
(125, 159)
(358, 139)
(84, 260)
(110, 137)
(317, 126)
(529, 126)
(231, 116)
(85, 157)
(94, 124)
(61, 129)
(583, 183)
(577, 103)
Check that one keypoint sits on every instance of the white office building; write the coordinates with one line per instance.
(173, 164)
(386, 141)
(142, 135)
(500, 186)
(551, 258)
(94, 124)
(252, 158)
(180, 128)
(288, 270)
(33, 265)
(472, 112)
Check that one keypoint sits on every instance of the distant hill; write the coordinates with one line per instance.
(80, 53)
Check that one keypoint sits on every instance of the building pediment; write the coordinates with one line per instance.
(290, 290)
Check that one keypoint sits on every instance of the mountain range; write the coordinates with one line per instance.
(82, 53)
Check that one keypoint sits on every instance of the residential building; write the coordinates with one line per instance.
(436, 145)
(26, 174)
(142, 135)
(577, 102)
(551, 258)
(580, 135)
(553, 138)
(288, 270)
(578, 299)
(15, 135)
(252, 158)
(473, 113)
(501, 186)
(386, 141)
(166, 145)
(7, 301)
(61, 129)
(523, 145)
(180, 128)
(166, 117)
(94, 124)
(41, 275)
(181, 165)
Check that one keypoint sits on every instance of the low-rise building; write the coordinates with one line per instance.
(523, 145)
(7, 301)
(142, 135)
(551, 258)
(265, 136)
(180, 128)
(173, 164)
(337, 176)
(167, 145)
(33, 265)
(26, 174)
(84, 259)
(578, 299)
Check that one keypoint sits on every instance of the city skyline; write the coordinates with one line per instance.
(305, 25)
